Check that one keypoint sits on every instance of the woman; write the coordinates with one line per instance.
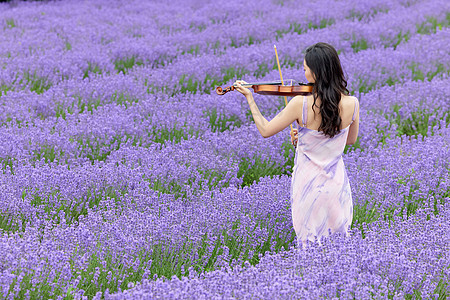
(320, 192)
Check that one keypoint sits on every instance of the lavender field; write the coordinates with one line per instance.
(123, 175)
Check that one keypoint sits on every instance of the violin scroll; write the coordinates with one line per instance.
(221, 91)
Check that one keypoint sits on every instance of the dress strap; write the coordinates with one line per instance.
(354, 112)
(304, 112)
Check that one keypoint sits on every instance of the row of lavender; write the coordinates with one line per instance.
(107, 55)
(139, 234)
(406, 261)
(84, 168)
(181, 169)
(150, 33)
(36, 129)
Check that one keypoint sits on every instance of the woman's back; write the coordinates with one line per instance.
(320, 191)
(348, 111)
(346, 108)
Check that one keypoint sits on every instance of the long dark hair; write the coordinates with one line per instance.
(323, 61)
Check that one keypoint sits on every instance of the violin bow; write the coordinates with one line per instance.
(281, 77)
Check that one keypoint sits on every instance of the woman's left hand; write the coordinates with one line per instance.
(243, 90)
(294, 137)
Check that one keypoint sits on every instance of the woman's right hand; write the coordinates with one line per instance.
(244, 91)
(294, 137)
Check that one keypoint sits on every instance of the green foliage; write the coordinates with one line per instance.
(209, 179)
(428, 27)
(439, 70)
(189, 85)
(322, 24)
(89, 106)
(48, 153)
(215, 47)
(410, 202)
(233, 73)
(107, 272)
(123, 65)
(265, 68)
(417, 73)
(262, 70)
(238, 248)
(431, 25)
(364, 86)
(92, 68)
(11, 121)
(37, 84)
(6, 163)
(208, 84)
(220, 122)
(98, 149)
(295, 27)
(392, 81)
(123, 99)
(250, 40)
(165, 186)
(53, 203)
(349, 148)
(4, 89)
(382, 134)
(61, 111)
(418, 122)
(252, 169)
(196, 27)
(12, 222)
(356, 15)
(174, 134)
(400, 37)
(43, 292)
(10, 23)
(195, 50)
(359, 45)
(362, 214)
(288, 154)
(234, 43)
(161, 261)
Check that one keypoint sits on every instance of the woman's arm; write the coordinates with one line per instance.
(354, 128)
(284, 118)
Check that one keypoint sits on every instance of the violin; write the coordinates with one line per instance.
(274, 88)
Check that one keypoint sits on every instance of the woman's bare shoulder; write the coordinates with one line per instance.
(348, 101)
(347, 108)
